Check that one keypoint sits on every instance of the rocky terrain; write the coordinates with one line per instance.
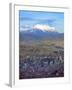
(41, 59)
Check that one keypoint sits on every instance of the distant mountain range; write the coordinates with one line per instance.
(39, 34)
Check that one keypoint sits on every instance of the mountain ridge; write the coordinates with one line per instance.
(39, 34)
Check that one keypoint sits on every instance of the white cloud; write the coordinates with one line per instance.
(38, 27)
(43, 27)
(24, 28)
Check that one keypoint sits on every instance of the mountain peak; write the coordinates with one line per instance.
(44, 28)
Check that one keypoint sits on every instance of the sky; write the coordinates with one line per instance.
(46, 21)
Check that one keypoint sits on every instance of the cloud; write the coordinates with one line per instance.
(24, 28)
(38, 19)
(43, 27)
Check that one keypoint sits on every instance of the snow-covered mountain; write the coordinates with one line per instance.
(39, 31)
(39, 28)
(39, 34)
